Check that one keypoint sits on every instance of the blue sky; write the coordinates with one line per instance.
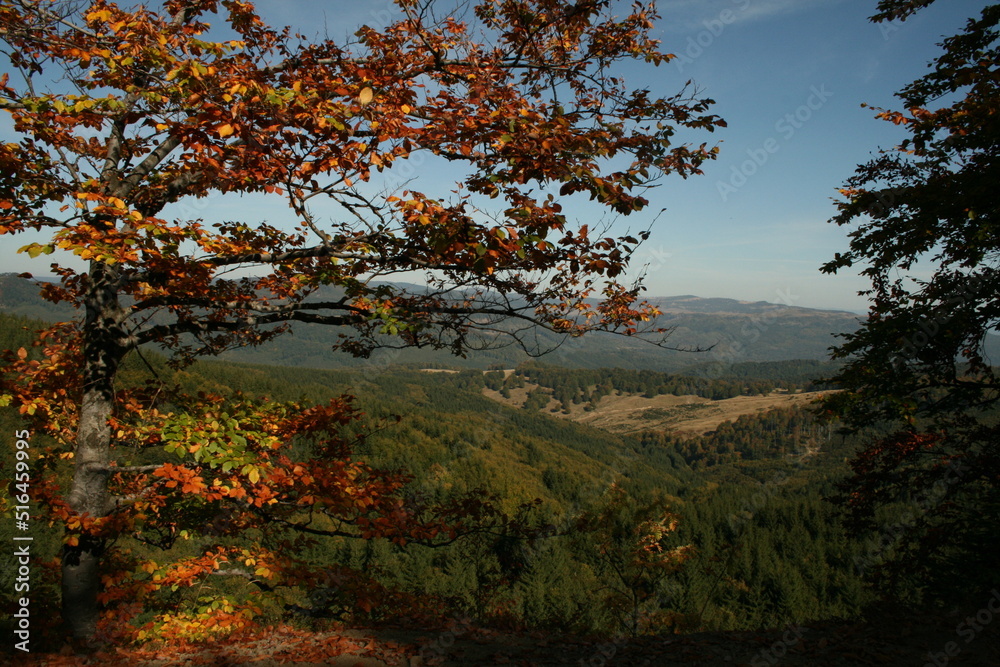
(789, 77)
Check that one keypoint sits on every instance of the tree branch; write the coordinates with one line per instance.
(147, 165)
(196, 327)
(136, 469)
(236, 572)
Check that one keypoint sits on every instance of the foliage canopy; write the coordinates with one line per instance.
(924, 217)
(125, 115)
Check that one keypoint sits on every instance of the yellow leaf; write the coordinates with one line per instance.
(254, 476)
(366, 95)
(102, 15)
(405, 108)
(225, 130)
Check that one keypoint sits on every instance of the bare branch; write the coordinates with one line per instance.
(146, 166)
(135, 469)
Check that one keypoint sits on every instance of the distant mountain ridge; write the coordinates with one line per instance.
(689, 303)
(736, 331)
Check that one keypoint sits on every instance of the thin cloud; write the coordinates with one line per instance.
(686, 15)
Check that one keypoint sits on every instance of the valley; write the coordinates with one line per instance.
(734, 453)
(683, 415)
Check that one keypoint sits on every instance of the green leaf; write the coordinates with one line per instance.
(36, 249)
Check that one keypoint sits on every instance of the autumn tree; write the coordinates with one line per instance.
(124, 114)
(923, 218)
(631, 543)
(208, 489)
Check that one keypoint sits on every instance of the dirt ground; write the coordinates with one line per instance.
(691, 415)
(886, 638)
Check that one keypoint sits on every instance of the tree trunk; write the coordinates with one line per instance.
(88, 495)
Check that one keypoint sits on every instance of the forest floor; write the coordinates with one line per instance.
(885, 638)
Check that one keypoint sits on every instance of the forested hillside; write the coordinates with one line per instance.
(765, 549)
(576, 386)
(342, 349)
(736, 331)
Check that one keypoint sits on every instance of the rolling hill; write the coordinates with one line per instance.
(730, 331)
